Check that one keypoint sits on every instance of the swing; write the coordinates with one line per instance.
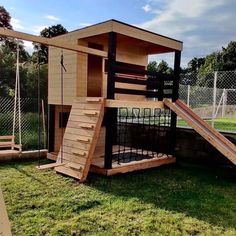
(8, 147)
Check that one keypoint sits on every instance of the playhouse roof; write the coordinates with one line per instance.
(153, 42)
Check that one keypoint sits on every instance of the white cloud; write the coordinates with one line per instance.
(204, 25)
(28, 46)
(53, 18)
(16, 24)
(37, 28)
(147, 8)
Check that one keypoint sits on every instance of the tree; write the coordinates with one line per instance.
(162, 67)
(5, 21)
(7, 71)
(229, 56)
(49, 32)
(152, 66)
(5, 18)
(195, 64)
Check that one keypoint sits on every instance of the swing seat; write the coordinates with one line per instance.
(8, 148)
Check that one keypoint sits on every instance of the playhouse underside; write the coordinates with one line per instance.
(141, 137)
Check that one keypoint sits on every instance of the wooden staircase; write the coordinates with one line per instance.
(80, 137)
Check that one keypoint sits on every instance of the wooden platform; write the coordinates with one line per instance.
(132, 166)
(5, 229)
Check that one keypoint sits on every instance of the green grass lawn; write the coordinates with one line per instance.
(228, 124)
(174, 200)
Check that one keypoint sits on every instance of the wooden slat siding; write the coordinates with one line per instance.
(74, 129)
(5, 228)
(82, 72)
(74, 143)
(141, 92)
(202, 128)
(125, 70)
(51, 42)
(73, 150)
(54, 74)
(133, 82)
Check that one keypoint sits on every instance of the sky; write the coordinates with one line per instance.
(204, 26)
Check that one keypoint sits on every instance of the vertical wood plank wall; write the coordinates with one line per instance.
(76, 76)
(58, 130)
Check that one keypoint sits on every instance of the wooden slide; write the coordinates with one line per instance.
(5, 229)
(80, 138)
(221, 143)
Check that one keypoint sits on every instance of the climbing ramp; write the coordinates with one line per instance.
(211, 135)
(80, 137)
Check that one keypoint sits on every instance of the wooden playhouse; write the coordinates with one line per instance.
(98, 89)
(107, 113)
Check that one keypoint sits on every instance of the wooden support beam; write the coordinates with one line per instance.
(51, 42)
(129, 103)
(49, 166)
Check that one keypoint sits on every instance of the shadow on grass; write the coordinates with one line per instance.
(204, 193)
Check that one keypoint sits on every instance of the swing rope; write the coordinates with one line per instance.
(38, 101)
(17, 97)
(63, 69)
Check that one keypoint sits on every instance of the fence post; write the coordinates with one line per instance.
(214, 98)
(224, 102)
(188, 95)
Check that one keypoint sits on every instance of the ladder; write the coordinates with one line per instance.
(80, 137)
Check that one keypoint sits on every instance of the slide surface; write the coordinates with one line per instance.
(211, 135)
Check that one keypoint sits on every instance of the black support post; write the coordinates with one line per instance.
(175, 96)
(111, 113)
(51, 127)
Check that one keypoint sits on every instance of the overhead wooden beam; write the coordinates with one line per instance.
(51, 42)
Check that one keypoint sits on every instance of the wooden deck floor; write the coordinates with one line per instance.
(98, 162)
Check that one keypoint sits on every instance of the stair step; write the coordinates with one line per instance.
(69, 171)
(90, 113)
(75, 166)
(79, 152)
(86, 126)
(83, 140)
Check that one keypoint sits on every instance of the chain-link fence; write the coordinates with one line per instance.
(29, 122)
(212, 96)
